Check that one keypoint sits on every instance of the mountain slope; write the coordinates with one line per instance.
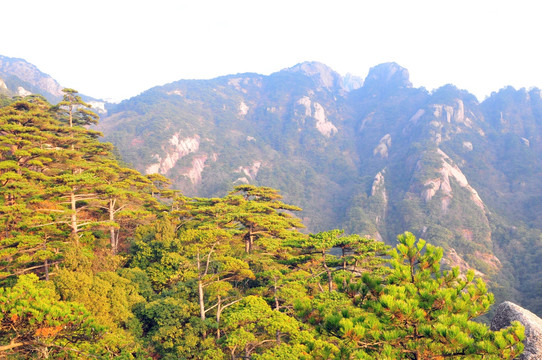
(377, 158)
(209, 135)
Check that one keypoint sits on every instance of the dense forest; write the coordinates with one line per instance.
(100, 261)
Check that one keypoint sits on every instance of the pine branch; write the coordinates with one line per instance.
(13, 345)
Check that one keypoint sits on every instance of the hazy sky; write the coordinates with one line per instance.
(116, 49)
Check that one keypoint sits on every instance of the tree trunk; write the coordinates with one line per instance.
(247, 353)
(249, 240)
(344, 267)
(74, 218)
(71, 125)
(277, 306)
(218, 314)
(320, 286)
(200, 291)
(46, 261)
(201, 300)
(114, 239)
(247, 246)
(275, 291)
(71, 116)
(328, 271)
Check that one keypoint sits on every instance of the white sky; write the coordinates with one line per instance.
(116, 49)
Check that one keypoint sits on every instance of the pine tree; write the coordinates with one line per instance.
(251, 213)
(74, 111)
(422, 312)
(77, 181)
(251, 329)
(33, 322)
(201, 255)
(124, 194)
(28, 151)
(340, 258)
(262, 217)
(219, 274)
(54, 181)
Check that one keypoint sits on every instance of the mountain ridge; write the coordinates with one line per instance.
(18, 77)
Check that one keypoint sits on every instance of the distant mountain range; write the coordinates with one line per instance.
(20, 78)
(374, 156)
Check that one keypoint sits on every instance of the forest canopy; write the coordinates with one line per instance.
(100, 261)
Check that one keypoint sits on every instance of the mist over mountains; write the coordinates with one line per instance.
(374, 156)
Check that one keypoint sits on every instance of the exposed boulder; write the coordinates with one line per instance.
(507, 312)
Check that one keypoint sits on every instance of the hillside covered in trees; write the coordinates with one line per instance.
(375, 157)
(100, 261)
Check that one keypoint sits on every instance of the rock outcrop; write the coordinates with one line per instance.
(323, 125)
(3, 86)
(507, 312)
(383, 147)
(447, 172)
(176, 149)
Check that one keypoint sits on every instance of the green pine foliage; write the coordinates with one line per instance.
(34, 324)
(421, 312)
(28, 155)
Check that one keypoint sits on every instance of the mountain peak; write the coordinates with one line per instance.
(311, 68)
(388, 75)
(323, 74)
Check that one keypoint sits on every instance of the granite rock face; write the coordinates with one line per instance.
(507, 312)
